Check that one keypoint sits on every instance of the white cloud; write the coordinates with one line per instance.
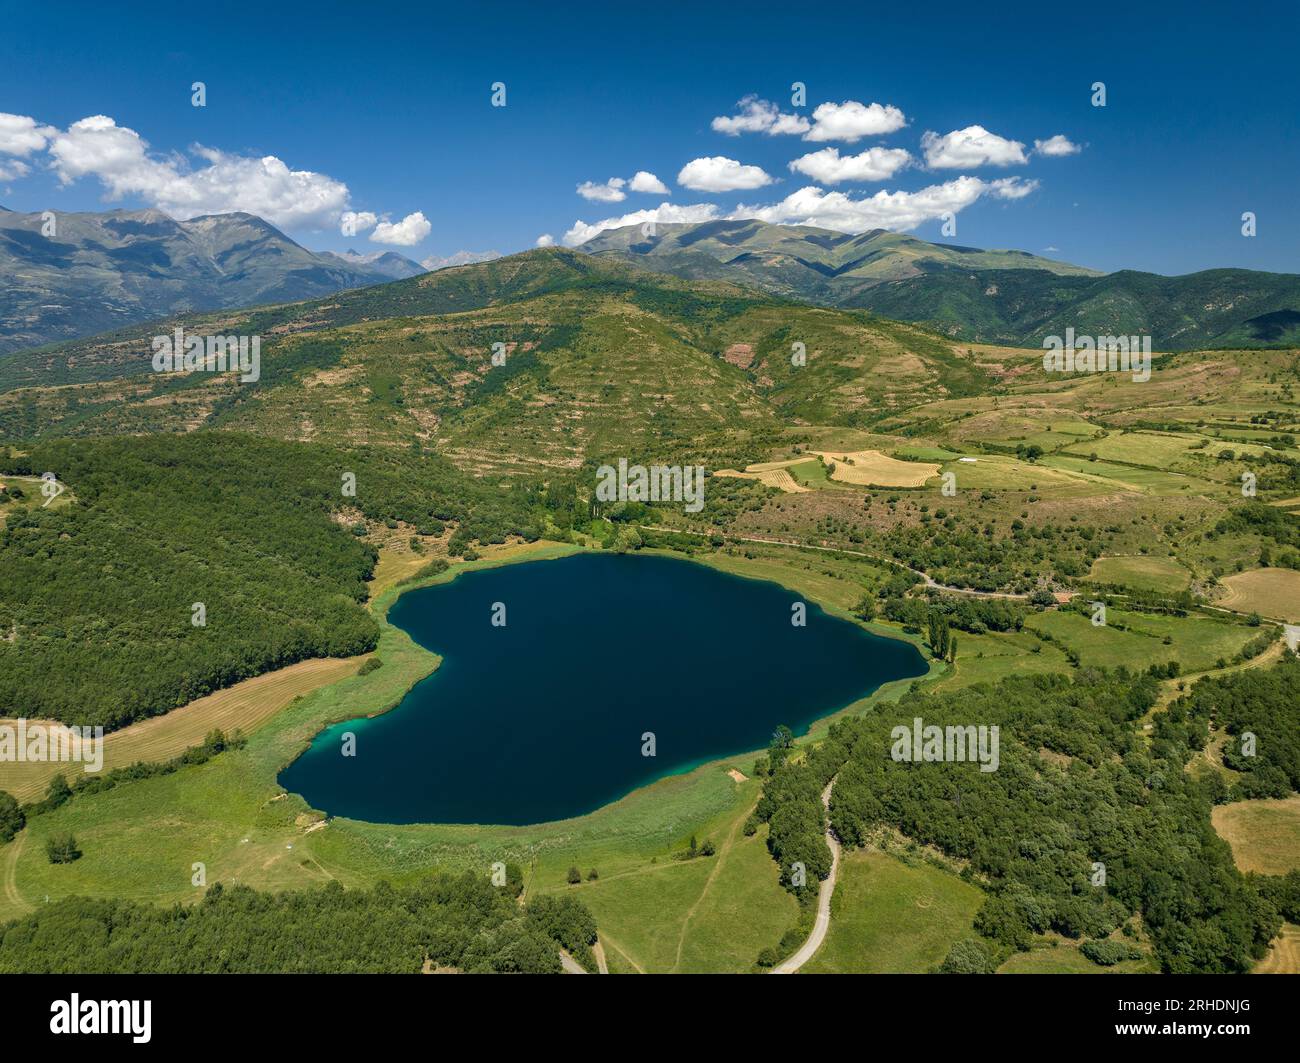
(717, 173)
(609, 192)
(644, 181)
(612, 191)
(851, 121)
(1012, 188)
(1056, 146)
(546, 240)
(13, 169)
(352, 222)
(759, 116)
(405, 233)
(898, 211)
(972, 146)
(20, 135)
(583, 231)
(874, 164)
(120, 159)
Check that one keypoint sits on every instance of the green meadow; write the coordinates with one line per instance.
(894, 913)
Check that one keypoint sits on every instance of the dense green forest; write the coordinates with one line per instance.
(98, 597)
(451, 921)
(1077, 791)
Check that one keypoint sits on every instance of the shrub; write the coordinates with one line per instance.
(967, 957)
(62, 849)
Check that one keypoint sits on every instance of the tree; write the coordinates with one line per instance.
(12, 819)
(574, 876)
(58, 791)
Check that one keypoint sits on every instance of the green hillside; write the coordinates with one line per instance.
(1005, 297)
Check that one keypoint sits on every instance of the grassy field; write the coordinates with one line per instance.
(1273, 592)
(894, 915)
(1066, 958)
(245, 707)
(1141, 573)
(992, 657)
(710, 914)
(811, 474)
(1264, 834)
(998, 472)
(1195, 642)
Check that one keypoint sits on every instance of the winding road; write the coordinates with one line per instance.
(827, 889)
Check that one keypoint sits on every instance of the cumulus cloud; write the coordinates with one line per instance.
(546, 240)
(829, 167)
(851, 121)
(717, 173)
(972, 146)
(352, 222)
(20, 135)
(898, 211)
(1056, 146)
(609, 192)
(13, 169)
(613, 190)
(666, 212)
(405, 233)
(644, 181)
(759, 116)
(1012, 188)
(120, 159)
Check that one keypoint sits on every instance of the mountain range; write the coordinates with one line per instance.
(98, 271)
(1003, 297)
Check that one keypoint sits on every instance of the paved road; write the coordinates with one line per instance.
(823, 921)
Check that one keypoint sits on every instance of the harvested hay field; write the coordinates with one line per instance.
(772, 473)
(871, 468)
(1272, 592)
(1264, 834)
(245, 707)
(1284, 954)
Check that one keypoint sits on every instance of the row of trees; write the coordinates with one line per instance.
(453, 921)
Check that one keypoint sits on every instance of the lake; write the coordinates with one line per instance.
(542, 718)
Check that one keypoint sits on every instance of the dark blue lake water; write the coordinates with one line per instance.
(542, 719)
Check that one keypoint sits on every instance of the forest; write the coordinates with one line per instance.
(187, 563)
(461, 922)
(1086, 824)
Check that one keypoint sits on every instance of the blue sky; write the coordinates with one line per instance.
(385, 110)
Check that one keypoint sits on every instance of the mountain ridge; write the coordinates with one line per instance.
(1005, 297)
(97, 271)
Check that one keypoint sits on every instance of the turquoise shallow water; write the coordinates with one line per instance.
(542, 719)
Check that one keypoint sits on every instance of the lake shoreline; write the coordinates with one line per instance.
(807, 730)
